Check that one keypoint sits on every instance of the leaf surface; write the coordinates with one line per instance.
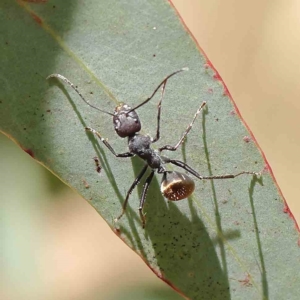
(231, 239)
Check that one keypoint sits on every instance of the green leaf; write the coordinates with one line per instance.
(231, 239)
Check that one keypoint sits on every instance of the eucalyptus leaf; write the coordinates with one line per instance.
(230, 239)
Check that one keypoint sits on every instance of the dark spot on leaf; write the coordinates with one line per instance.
(117, 231)
(86, 185)
(30, 152)
(36, 18)
(246, 139)
(286, 210)
(97, 163)
(226, 91)
(246, 281)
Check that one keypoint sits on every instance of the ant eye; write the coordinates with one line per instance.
(126, 122)
(176, 186)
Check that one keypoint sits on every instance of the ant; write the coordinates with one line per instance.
(174, 185)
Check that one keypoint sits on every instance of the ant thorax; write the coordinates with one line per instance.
(141, 146)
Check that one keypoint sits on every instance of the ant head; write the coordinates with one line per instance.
(126, 121)
(176, 186)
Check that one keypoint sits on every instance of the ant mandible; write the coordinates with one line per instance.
(174, 185)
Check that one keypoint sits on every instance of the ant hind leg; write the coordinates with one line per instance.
(196, 174)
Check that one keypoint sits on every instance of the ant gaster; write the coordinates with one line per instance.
(175, 185)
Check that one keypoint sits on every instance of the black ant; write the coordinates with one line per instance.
(175, 185)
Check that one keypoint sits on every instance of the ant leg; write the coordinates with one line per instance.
(105, 142)
(143, 198)
(196, 174)
(134, 184)
(174, 148)
(158, 113)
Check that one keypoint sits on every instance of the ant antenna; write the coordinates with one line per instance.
(163, 82)
(76, 90)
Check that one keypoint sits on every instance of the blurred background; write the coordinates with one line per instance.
(55, 238)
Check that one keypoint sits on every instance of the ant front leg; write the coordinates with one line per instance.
(174, 148)
(134, 184)
(105, 142)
